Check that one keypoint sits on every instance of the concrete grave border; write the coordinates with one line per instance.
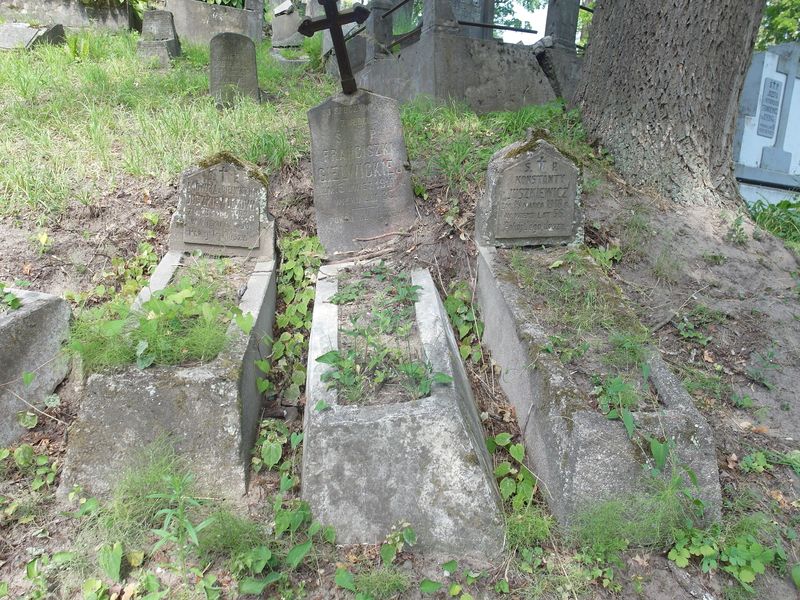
(581, 457)
(392, 458)
(31, 338)
(216, 429)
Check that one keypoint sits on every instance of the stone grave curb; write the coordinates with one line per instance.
(580, 456)
(423, 461)
(210, 411)
(32, 336)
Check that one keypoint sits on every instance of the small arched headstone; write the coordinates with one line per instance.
(233, 68)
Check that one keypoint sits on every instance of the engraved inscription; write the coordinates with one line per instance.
(222, 209)
(535, 199)
(770, 106)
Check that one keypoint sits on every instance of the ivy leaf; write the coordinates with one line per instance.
(503, 469)
(344, 579)
(388, 553)
(507, 488)
(296, 554)
(427, 586)
(296, 439)
(245, 321)
(502, 439)
(271, 453)
(517, 451)
(450, 567)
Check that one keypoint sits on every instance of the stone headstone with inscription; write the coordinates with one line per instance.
(531, 198)
(21, 36)
(159, 39)
(233, 70)
(222, 210)
(362, 181)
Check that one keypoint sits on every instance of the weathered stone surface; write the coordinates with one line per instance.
(531, 198)
(580, 456)
(69, 13)
(486, 74)
(423, 461)
(16, 36)
(233, 69)
(211, 412)
(285, 22)
(362, 181)
(30, 341)
(159, 40)
(198, 21)
(222, 210)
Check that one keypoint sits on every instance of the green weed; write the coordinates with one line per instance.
(229, 534)
(781, 219)
(528, 527)
(381, 583)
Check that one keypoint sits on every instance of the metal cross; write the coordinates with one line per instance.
(334, 20)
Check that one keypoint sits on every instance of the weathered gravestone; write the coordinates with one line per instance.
(209, 411)
(30, 342)
(159, 39)
(233, 69)
(362, 180)
(285, 21)
(16, 36)
(223, 209)
(531, 198)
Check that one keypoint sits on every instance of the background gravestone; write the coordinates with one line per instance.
(222, 210)
(233, 69)
(159, 39)
(362, 185)
(531, 198)
(285, 21)
(15, 36)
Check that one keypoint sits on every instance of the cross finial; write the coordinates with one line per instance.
(334, 20)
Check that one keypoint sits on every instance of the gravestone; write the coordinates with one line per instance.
(159, 39)
(222, 209)
(233, 68)
(21, 36)
(531, 198)
(767, 143)
(362, 183)
(198, 21)
(30, 341)
(285, 21)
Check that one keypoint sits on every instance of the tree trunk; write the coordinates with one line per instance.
(660, 90)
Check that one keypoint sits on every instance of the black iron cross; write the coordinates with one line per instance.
(334, 20)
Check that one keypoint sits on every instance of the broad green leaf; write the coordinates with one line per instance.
(455, 589)
(796, 575)
(321, 406)
(409, 536)
(501, 587)
(388, 553)
(427, 586)
(502, 439)
(344, 579)
(3, 589)
(441, 378)
(271, 453)
(27, 378)
(296, 554)
(517, 451)
(627, 420)
(27, 419)
(60, 558)
(245, 322)
(503, 469)
(110, 559)
(329, 534)
(507, 488)
(450, 567)
(296, 439)
(135, 558)
(23, 456)
(251, 585)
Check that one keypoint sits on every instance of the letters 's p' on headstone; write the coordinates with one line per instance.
(159, 39)
(362, 185)
(233, 68)
(222, 210)
(531, 198)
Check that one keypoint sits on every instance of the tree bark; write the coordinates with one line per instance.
(660, 90)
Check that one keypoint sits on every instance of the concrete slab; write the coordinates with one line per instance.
(581, 457)
(210, 411)
(366, 468)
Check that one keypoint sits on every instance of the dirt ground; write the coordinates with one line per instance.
(674, 259)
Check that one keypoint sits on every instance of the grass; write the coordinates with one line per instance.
(229, 535)
(382, 583)
(781, 219)
(78, 119)
(452, 141)
(185, 322)
(528, 527)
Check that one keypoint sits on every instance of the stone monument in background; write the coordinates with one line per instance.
(233, 72)
(159, 39)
